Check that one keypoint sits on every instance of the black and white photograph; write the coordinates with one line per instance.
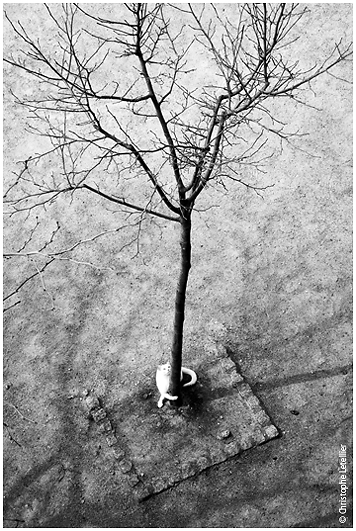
(177, 265)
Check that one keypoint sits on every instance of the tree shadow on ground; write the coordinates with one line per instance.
(303, 377)
(35, 492)
(40, 486)
(122, 512)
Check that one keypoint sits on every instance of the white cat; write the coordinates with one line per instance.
(162, 380)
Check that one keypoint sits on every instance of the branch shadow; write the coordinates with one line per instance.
(37, 487)
(303, 377)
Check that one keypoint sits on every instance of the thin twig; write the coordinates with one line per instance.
(12, 439)
(44, 285)
(19, 412)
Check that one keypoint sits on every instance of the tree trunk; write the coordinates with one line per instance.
(176, 354)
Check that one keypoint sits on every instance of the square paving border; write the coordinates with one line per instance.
(154, 448)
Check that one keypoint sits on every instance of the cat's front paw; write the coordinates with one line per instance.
(160, 403)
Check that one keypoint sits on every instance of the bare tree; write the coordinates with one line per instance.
(117, 96)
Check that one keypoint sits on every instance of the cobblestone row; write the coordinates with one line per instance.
(123, 464)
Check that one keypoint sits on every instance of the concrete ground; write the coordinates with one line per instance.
(275, 272)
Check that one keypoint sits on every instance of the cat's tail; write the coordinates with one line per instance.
(193, 376)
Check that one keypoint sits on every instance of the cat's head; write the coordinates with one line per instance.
(165, 368)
